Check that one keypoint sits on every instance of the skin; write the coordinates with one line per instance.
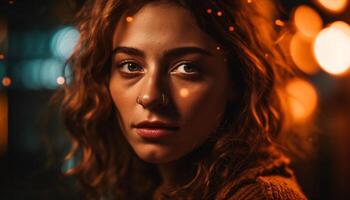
(197, 93)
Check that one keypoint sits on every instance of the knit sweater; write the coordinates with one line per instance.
(270, 179)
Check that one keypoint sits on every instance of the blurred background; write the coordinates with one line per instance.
(37, 36)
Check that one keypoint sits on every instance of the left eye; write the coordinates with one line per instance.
(186, 68)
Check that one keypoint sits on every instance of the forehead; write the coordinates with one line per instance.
(162, 25)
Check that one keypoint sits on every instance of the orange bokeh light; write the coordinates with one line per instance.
(279, 22)
(302, 99)
(6, 81)
(307, 21)
(184, 92)
(334, 5)
(129, 19)
(302, 54)
(331, 49)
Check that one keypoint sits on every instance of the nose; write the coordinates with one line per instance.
(152, 94)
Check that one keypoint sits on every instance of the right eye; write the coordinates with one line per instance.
(129, 67)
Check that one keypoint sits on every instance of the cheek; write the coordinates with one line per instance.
(201, 105)
(123, 100)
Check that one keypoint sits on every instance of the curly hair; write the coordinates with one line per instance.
(108, 167)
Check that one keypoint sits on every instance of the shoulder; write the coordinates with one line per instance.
(269, 179)
(269, 188)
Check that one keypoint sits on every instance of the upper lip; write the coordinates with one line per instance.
(156, 124)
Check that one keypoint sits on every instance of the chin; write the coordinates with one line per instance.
(156, 155)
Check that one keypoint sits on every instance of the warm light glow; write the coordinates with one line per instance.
(2, 56)
(219, 13)
(60, 80)
(302, 54)
(279, 22)
(249, 1)
(209, 11)
(231, 28)
(307, 21)
(331, 48)
(302, 99)
(218, 48)
(6, 81)
(342, 26)
(184, 92)
(334, 5)
(129, 19)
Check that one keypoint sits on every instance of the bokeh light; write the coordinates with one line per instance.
(129, 19)
(302, 54)
(60, 80)
(6, 81)
(184, 92)
(63, 42)
(332, 48)
(334, 5)
(307, 21)
(302, 99)
(41, 73)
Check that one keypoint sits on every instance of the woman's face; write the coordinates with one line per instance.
(161, 50)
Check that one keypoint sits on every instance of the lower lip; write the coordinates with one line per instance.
(154, 133)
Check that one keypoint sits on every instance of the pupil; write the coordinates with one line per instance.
(188, 68)
(132, 67)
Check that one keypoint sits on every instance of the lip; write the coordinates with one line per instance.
(155, 129)
(154, 133)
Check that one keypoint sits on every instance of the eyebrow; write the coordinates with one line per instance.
(176, 52)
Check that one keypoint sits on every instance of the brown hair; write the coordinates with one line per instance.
(108, 167)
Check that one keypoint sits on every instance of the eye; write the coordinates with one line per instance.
(129, 67)
(186, 68)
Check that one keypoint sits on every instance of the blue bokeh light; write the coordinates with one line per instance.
(41, 73)
(64, 41)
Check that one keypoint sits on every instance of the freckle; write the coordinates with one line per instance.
(129, 19)
(184, 92)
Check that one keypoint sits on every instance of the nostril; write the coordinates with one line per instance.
(148, 101)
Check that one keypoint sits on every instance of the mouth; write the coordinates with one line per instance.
(155, 129)
(154, 133)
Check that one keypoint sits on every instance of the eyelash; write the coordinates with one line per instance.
(191, 64)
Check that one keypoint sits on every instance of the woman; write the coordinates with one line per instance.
(176, 99)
